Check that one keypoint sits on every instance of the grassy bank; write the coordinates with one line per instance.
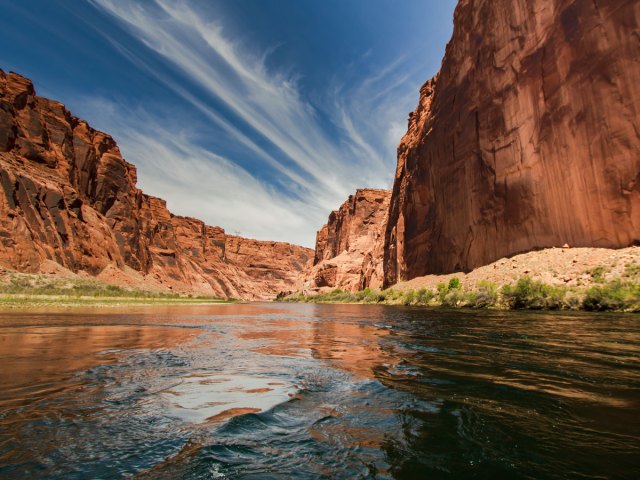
(23, 290)
(622, 294)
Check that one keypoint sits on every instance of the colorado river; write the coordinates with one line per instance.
(267, 391)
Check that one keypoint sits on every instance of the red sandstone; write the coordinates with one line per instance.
(70, 197)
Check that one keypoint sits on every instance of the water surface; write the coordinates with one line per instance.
(266, 391)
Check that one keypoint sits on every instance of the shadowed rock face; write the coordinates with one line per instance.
(529, 137)
(349, 248)
(68, 196)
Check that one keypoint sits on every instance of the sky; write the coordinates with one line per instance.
(260, 116)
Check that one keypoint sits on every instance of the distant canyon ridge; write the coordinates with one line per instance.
(527, 138)
(71, 203)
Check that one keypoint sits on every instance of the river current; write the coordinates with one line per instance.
(275, 391)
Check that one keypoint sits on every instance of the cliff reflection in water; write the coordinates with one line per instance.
(341, 339)
(318, 391)
(350, 345)
(37, 359)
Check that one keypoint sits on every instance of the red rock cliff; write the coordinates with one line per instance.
(349, 248)
(529, 137)
(69, 197)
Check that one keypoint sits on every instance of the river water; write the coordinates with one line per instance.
(269, 391)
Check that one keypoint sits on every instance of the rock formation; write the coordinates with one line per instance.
(349, 248)
(529, 137)
(70, 197)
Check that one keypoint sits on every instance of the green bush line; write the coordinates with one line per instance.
(46, 300)
(17, 286)
(525, 294)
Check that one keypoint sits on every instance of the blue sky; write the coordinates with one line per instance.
(260, 116)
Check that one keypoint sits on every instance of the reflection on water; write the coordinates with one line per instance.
(318, 391)
(214, 398)
(37, 359)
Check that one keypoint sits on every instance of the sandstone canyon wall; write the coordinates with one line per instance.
(69, 197)
(529, 137)
(349, 248)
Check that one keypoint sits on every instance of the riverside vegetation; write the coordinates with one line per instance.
(620, 294)
(19, 289)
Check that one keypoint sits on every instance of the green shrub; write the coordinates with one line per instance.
(486, 295)
(572, 300)
(442, 290)
(408, 298)
(525, 294)
(615, 295)
(424, 296)
(337, 296)
(454, 298)
(392, 296)
(598, 273)
(454, 283)
(632, 270)
(368, 295)
(35, 285)
(361, 294)
(533, 295)
(470, 299)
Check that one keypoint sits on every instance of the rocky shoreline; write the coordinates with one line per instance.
(592, 279)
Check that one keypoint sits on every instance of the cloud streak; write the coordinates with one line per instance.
(267, 115)
(173, 166)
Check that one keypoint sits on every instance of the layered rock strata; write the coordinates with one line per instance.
(349, 248)
(69, 197)
(529, 137)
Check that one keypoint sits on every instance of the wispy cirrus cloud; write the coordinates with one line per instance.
(317, 164)
(199, 183)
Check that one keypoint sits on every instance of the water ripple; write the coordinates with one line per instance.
(318, 391)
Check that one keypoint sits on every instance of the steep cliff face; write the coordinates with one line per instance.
(272, 266)
(70, 197)
(349, 248)
(529, 137)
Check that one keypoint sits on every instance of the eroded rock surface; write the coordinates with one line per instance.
(529, 137)
(68, 196)
(349, 248)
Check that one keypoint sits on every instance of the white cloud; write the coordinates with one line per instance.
(321, 169)
(270, 104)
(198, 183)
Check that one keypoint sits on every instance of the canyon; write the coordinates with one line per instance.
(349, 247)
(70, 203)
(475, 315)
(528, 138)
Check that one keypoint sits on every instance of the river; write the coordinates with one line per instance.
(270, 391)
